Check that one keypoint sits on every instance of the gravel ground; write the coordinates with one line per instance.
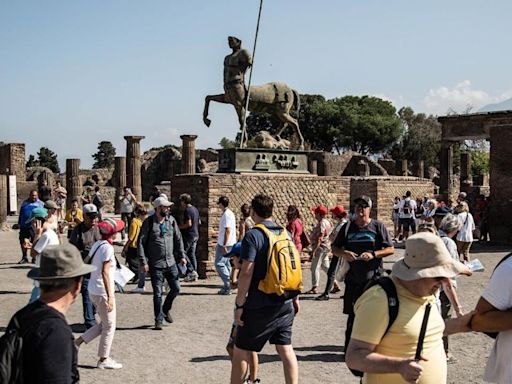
(192, 349)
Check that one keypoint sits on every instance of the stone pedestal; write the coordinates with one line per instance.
(119, 180)
(446, 177)
(133, 164)
(4, 188)
(313, 166)
(419, 169)
(73, 182)
(262, 160)
(188, 154)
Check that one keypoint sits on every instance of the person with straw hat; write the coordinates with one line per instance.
(390, 355)
(48, 351)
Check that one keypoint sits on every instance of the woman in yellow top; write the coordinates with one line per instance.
(130, 248)
(74, 216)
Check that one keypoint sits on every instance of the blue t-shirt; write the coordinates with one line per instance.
(191, 213)
(255, 249)
(25, 211)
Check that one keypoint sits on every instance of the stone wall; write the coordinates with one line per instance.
(12, 160)
(305, 191)
(500, 218)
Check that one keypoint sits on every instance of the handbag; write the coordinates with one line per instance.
(122, 274)
(343, 265)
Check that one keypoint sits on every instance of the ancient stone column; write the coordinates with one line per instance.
(465, 168)
(313, 166)
(446, 165)
(73, 182)
(420, 169)
(402, 168)
(188, 154)
(363, 169)
(119, 180)
(4, 188)
(133, 164)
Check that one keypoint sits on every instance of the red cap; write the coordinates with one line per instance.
(320, 209)
(109, 227)
(338, 210)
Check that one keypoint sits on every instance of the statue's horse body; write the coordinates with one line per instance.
(277, 99)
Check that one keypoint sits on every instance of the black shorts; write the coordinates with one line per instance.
(408, 223)
(352, 292)
(272, 324)
(26, 233)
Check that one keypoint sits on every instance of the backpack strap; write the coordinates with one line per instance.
(386, 283)
(501, 261)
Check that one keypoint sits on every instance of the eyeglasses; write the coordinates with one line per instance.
(163, 229)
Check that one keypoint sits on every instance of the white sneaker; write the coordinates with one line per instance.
(190, 277)
(109, 363)
(138, 290)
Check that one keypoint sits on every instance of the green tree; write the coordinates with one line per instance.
(47, 158)
(421, 139)
(104, 158)
(226, 143)
(31, 162)
(365, 124)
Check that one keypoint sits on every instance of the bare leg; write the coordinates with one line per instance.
(253, 366)
(290, 365)
(239, 365)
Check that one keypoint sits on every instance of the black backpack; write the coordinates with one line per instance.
(386, 283)
(11, 348)
(495, 334)
(407, 207)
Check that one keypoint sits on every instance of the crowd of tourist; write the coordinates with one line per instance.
(348, 246)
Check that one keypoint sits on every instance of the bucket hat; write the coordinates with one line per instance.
(60, 262)
(37, 213)
(426, 256)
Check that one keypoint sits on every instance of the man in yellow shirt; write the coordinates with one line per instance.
(389, 357)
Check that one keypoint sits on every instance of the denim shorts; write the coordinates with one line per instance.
(271, 323)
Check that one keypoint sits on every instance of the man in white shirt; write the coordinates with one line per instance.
(493, 314)
(407, 210)
(225, 241)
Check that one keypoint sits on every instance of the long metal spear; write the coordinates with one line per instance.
(244, 133)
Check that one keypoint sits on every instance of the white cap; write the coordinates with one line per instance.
(161, 201)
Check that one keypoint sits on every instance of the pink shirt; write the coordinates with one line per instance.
(295, 228)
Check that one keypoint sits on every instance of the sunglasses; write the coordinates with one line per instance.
(364, 206)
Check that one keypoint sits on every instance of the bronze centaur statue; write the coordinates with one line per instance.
(276, 99)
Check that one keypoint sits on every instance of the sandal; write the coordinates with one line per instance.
(335, 289)
(312, 291)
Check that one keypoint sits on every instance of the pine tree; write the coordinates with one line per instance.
(104, 158)
(47, 158)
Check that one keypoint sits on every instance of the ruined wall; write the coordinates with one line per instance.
(500, 217)
(302, 190)
(12, 160)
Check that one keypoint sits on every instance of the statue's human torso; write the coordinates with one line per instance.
(235, 66)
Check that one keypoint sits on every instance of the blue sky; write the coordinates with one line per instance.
(73, 73)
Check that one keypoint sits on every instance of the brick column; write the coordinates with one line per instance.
(188, 154)
(73, 182)
(4, 196)
(446, 165)
(500, 216)
(133, 164)
(119, 180)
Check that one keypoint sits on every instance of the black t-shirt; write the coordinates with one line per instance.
(49, 352)
(255, 249)
(372, 237)
(45, 193)
(191, 213)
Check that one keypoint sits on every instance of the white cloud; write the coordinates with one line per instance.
(458, 98)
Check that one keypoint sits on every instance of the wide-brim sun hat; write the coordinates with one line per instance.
(60, 262)
(37, 213)
(426, 256)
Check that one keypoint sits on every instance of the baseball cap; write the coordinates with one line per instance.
(89, 209)
(320, 209)
(37, 213)
(235, 250)
(442, 211)
(161, 201)
(427, 256)
(363, 199)
(60, 262)
(338, 210)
